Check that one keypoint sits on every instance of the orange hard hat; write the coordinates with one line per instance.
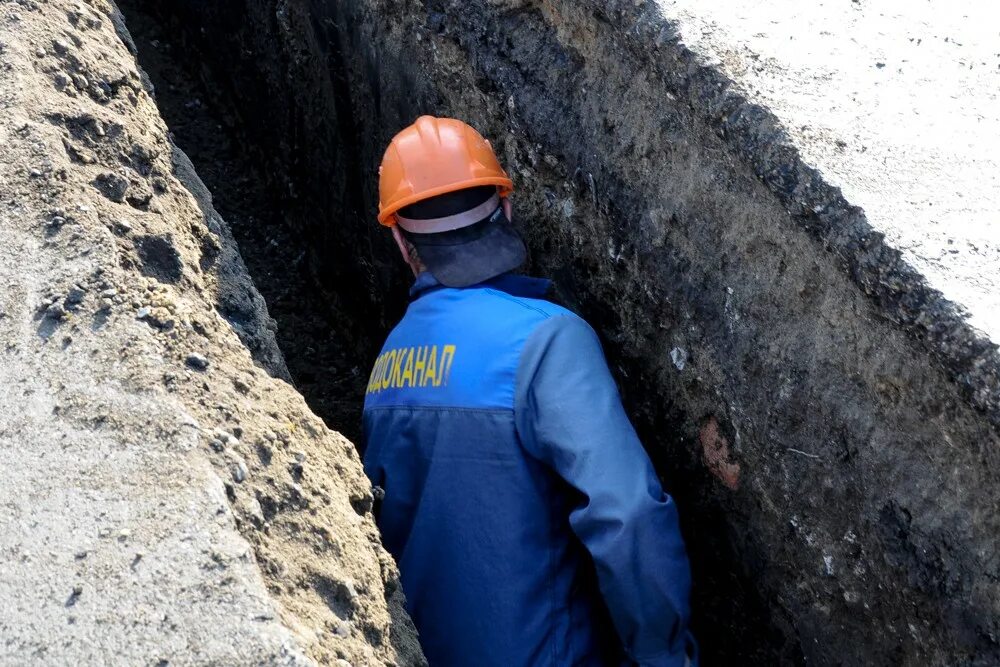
(432, 157)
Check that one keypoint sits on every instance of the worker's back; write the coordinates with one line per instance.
(491, 569)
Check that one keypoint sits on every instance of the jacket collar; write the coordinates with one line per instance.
(513, 284)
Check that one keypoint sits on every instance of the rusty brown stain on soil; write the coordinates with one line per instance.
(715, 453)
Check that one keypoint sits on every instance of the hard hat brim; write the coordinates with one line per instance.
(386, 216)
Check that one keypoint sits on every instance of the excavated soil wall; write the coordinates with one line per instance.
(837, 486)
(166, 497)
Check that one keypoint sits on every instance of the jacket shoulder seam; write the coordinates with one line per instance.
(518, 301)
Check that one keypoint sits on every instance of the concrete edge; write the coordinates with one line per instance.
(758, 139)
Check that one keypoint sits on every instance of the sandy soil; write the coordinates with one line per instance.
(166, 497)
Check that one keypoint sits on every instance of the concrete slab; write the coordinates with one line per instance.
(896, 103)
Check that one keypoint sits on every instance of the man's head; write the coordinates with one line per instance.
(445, 196)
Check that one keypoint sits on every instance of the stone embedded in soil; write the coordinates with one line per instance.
(55, 311)
(196, 361)
(75, 296)
(239, 471)
(113, 186)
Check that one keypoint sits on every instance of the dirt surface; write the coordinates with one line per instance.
(166, 497)
(825, 419)
(325, 354)
(896, 103)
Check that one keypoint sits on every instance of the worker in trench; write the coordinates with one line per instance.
(526, 519)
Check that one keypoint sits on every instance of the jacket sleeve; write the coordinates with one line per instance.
(570, 417)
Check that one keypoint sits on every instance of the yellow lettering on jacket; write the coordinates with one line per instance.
(407, 379)
(447, 357)
(412, 367)
(375, 373)
(397, 368)
(431, 375)
(387, 370)
(420, 366)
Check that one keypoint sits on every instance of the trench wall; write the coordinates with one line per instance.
(836, 476)
(166, 497)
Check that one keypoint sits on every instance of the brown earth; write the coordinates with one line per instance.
(755, 320)
(826, 421)
(168, 495)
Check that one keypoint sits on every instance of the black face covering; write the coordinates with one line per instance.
(471, 254)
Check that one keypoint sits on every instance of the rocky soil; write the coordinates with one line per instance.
(167, 496)
(319, 337)
(826, 420)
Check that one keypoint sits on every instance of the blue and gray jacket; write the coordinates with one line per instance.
(526, 519)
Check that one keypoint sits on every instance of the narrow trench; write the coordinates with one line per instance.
(324, 340)
(334, 286)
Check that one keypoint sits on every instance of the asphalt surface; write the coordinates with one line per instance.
(896, 103)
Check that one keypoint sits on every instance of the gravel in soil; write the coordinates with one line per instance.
(316, 340)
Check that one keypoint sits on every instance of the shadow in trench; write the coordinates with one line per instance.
(313, 259)
(327, 353)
